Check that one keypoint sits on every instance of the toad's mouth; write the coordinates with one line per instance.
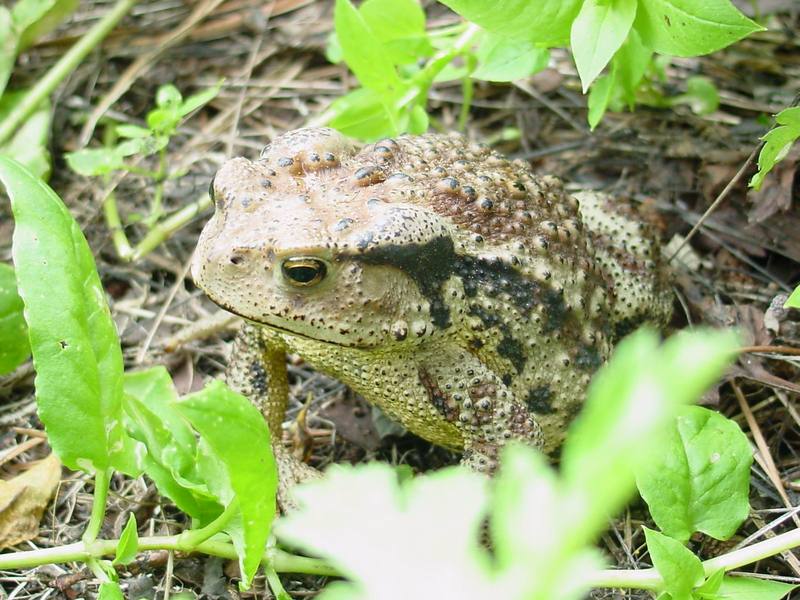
(288, 331)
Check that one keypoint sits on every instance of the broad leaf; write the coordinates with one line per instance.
(679, 567)
(8, 47)
(28, 145)
(74, 342)
(365, 115)
(34, 19)
(699, 480)
(235, 432)
(14, 346)
(110, 590)
(597, 33)
(689, 27)
(600, 95)
(545, 22)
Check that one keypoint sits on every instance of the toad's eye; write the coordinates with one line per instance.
(303, 272)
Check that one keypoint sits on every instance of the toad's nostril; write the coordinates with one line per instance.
(236, 259)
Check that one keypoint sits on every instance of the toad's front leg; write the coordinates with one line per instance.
(257, 370)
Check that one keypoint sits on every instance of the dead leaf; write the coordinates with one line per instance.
(775, 196)
(23, 500)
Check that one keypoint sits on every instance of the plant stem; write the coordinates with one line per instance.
(649, 579)
(114, 223)
(59, 71)
(102, 479)
(161, 231)
(281, 561)
(191, 538)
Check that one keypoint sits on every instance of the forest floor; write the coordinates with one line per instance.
(742, 261)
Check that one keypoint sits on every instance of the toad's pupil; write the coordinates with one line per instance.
(306, 271)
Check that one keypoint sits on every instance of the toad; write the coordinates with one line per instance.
(467, 297)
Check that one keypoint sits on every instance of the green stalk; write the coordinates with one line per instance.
(192, 538)
(59, 71)
(102, 480)
(161, 231)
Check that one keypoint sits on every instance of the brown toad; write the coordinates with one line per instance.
(467, 297)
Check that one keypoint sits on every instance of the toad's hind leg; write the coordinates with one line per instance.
(257, 370)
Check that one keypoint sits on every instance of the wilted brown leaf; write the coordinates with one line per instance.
(23, 500)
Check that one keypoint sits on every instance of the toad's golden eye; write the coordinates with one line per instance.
(303, 271)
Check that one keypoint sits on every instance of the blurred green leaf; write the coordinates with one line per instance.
(28, 146)
(679, 567)
(691, 28)
(91, 162)
(629, 66)
(599, 99)
(367, 503)
(128, 543)
(699, 479)
(110, 590)
(597, 33)
(8, 47)
(14, 346)
(34, 19)
(777, 143)
(199, 99)
(132, 131)
(235, 432)
(502, 59)
(74, 342)
(701, 96)
(168, 96)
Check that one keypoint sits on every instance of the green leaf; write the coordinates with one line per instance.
(710, 587)
(689, 27)
(8, 47)
(793, 301)
(128, 543)
(597, 33)
(363, 114)
(503, 59)
(599, 98)
(366, 504)
(750, 588)
(28, 145)
(14, 346)
(235, 431)
(74, 342)
(34, 19)
(132, 131)
(172, 452)
(400, 26)
(110, 590)
(545, 22)
(700, 478)
(679, 567)
(701, 96)
(168, 96)
(92, 162)
(362, 51)
(777, 143)
(629, 67)
(199, 99)
(418, 120)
